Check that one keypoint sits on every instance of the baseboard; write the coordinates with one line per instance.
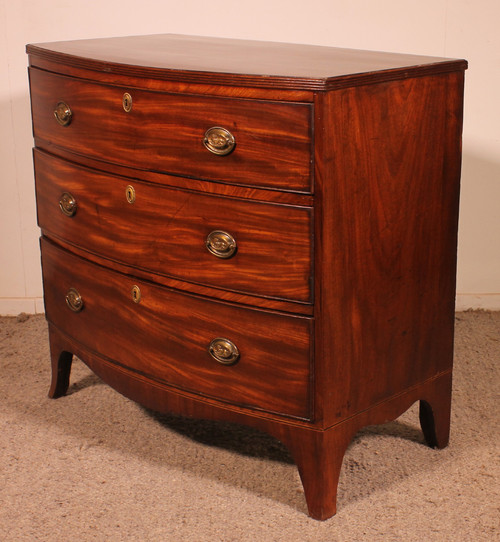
(489, 302)
(12, 306)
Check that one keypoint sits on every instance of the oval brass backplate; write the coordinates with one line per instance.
(74, 300)
(127, 102)
(224, 351)
(219, 140)
(67, 204)
(221, 244)
(136, 294)
(63, 114)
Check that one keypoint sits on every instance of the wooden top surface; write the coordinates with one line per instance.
(239, 62)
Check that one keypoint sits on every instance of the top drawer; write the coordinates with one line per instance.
(166, 132)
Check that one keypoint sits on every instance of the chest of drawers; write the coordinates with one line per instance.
(255, 232)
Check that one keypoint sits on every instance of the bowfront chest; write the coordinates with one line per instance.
(255, 232)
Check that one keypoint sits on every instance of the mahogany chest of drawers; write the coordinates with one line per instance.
(255, 232)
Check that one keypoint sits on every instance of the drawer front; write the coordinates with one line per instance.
(166, 336)
(170, 231)
(165, 132)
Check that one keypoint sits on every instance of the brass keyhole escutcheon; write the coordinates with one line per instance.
(219, 140)
(224, 351)
(136, 294)
(74, 300)
(127, 102)
(67, 204)
(221, 244)
(130, 193)
(63, 114)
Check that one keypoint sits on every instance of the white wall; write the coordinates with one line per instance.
(454, 28)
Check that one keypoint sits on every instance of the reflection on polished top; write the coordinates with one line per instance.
(253, 63)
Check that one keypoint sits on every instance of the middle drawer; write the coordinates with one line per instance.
(240, 245)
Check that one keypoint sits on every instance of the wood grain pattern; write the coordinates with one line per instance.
(356, 183)
(229, 296)
(165, 337)
(186, 183)
(221, 61)
(165, 132)
(387, 176)
(161, 84)
(164, 230)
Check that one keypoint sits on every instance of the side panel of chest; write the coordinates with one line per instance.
(388, 174)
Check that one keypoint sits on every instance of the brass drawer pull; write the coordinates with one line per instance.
(67, 204)
(127, 102)
(224, 351)
(219, 140)
(63, 114)
(221, 244)
(74, 300)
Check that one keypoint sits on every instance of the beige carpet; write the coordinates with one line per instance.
(95, 466)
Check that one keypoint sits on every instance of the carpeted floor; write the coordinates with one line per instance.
(95, 466)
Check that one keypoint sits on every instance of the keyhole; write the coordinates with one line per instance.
(127, 102)
(130, 193)
(136, 294)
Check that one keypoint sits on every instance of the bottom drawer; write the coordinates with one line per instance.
(250, 358)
